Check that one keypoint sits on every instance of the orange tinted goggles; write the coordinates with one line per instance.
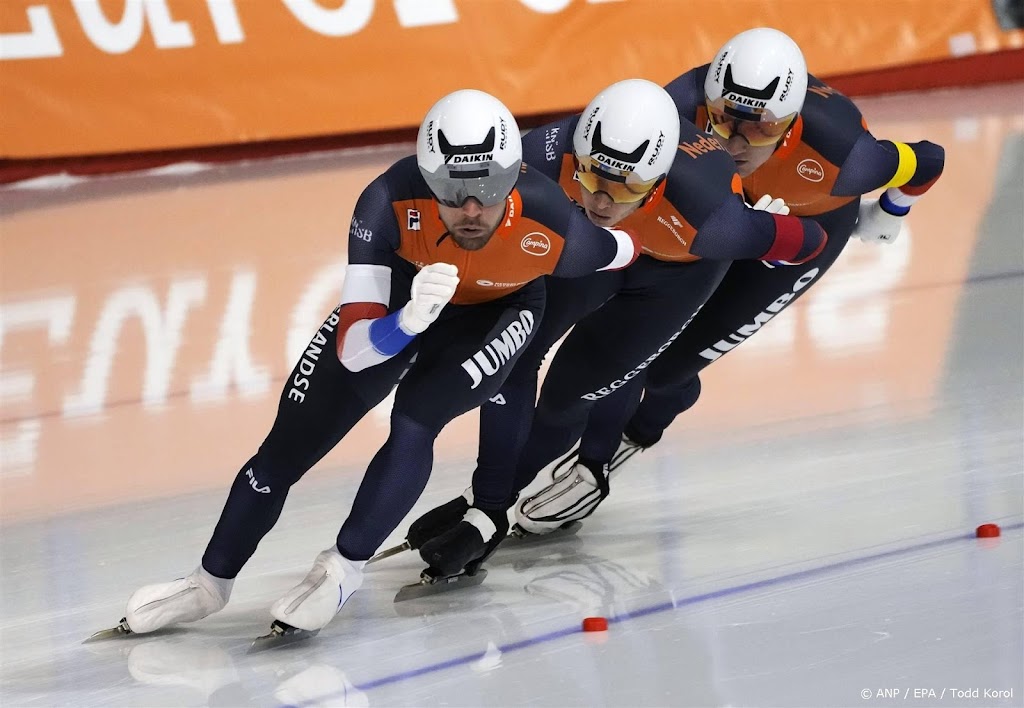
(622, 188)
(757, 133)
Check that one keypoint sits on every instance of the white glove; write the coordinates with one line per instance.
(874, 224)
(432, 289)
(772, 206)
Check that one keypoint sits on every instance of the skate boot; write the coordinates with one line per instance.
(439, 520)
(630, 444)
(184, 600)
(312, 604)
(456, 555)
(432, 524)
(568, 499)
(466, 545)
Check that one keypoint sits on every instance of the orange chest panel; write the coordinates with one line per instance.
(664, 234)
(520, 250)
(796, 172)
(799, 175)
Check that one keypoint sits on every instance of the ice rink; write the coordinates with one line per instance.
(803, 537)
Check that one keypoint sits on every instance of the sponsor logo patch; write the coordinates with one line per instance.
(536, 244)
(810, 170)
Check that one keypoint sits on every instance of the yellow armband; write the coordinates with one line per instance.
(906, 168)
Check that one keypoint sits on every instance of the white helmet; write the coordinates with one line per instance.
(626, 136)
(759, 75)
(469, 146)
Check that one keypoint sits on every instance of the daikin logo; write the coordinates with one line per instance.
(610, 163)
(745, 101)
(466, 159)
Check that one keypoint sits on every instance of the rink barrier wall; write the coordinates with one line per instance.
(95, 77)
(995, 67)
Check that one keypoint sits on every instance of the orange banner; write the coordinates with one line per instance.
(81, 77)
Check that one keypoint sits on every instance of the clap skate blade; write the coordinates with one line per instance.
(431, 584)
(121, 630)
(518, 536)
(388, 552)
(280, 635)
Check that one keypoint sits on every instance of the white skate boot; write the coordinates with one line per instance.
(627, 448)
(184, 600)
(573, 495)
(312, 604)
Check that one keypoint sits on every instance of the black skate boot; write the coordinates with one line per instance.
(456, 555)
(436, 522)
(432, 524)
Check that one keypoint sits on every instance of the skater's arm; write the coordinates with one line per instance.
(367, 335)
(705, 188)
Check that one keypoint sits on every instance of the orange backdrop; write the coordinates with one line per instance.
(81, 77)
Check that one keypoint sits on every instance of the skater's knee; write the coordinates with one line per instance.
(416, 425)
(689, 392)
(557, 411)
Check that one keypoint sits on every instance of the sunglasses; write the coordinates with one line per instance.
(622, 188)
(759, 133)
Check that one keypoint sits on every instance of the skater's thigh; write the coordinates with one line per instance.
(749, 296)
(322, 401)
(463, 360)
(613, 345)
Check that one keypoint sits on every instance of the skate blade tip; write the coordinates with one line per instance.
(111, 633)
(387, 553)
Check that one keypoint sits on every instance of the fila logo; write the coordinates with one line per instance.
(413, 216)
(252, 483)
(498, 400)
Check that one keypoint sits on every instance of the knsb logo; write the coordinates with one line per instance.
(811, 170)
(536, 244)
(499, 350)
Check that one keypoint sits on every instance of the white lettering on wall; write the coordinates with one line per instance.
(351, 17)
(425, 13)
(122, 36)
(40, 41)
(225, 21)
(546, 6)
